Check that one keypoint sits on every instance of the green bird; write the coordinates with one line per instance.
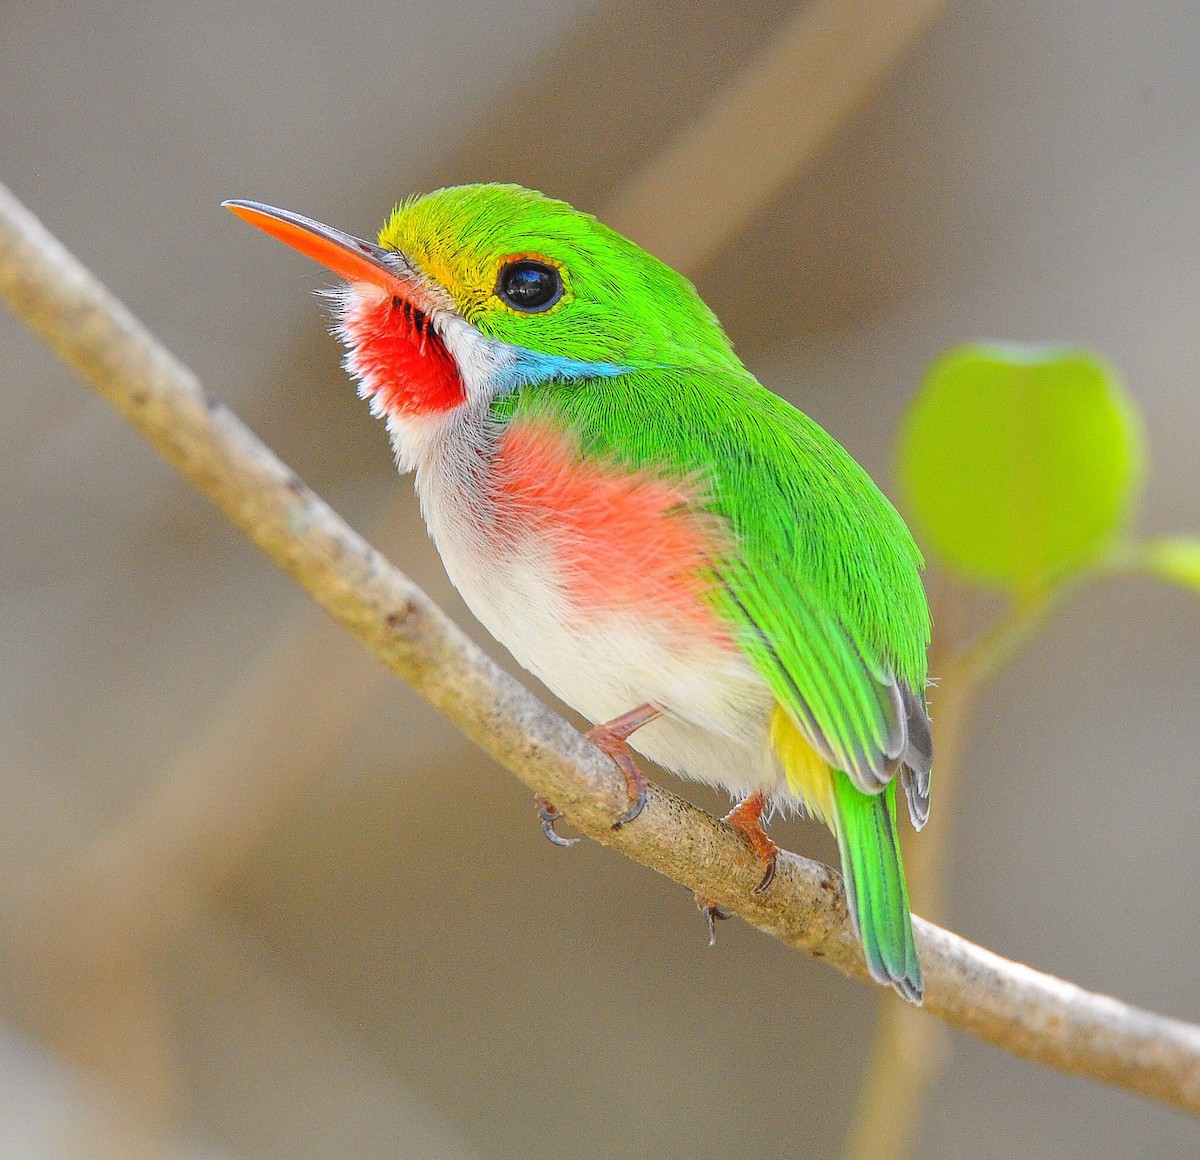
(675, 551)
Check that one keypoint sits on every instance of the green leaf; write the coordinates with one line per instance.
(1019, 464)
(1176, 559)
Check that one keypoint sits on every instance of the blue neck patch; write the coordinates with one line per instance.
(530, 366)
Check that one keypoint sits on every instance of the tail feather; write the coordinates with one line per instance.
(876, 893)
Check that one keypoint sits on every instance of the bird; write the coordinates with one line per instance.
(675, 551)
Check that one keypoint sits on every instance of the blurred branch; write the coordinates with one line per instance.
(1028, 1013)
(908, 1051)
(86, 954)
(818, 69)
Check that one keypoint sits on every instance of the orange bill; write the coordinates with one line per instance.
(347, 256)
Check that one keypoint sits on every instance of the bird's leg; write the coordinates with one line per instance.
(747, 817)
(613, 738)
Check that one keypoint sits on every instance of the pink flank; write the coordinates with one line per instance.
(623, 541)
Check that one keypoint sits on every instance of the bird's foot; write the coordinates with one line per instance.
(612, 738)
(712, 915)
(549, 814)
(747, 817)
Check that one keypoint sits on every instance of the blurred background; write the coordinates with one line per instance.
(258, 900)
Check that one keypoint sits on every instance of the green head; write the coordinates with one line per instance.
(534, 272)
(522, 269)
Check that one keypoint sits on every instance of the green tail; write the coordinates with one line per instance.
(876, 893)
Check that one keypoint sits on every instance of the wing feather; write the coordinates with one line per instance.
(810, 663)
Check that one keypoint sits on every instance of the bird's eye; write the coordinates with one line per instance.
(529, 285)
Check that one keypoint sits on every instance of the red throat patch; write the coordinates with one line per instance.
(404, 367)
(624, 540)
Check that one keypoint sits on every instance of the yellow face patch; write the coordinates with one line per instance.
(463, 272)
(469, 264)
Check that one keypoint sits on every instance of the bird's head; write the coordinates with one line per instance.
(478, 289)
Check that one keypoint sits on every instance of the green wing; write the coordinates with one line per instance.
(827, 598)
(839, 686)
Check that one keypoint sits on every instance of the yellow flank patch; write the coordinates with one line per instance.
(808, 774)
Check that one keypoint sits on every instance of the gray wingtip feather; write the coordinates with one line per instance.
(908, 743)
(917, 797)
(918, 753)
(917, 757)
(897, 738)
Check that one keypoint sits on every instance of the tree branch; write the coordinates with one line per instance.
(1028, 1013)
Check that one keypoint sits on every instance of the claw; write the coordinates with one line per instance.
(712, 915)
(767, 878)
(548, 816)
(636, 806)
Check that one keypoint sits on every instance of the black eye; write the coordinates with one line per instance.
(529, 285)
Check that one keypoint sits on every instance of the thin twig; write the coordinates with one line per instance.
(1031, 1014)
